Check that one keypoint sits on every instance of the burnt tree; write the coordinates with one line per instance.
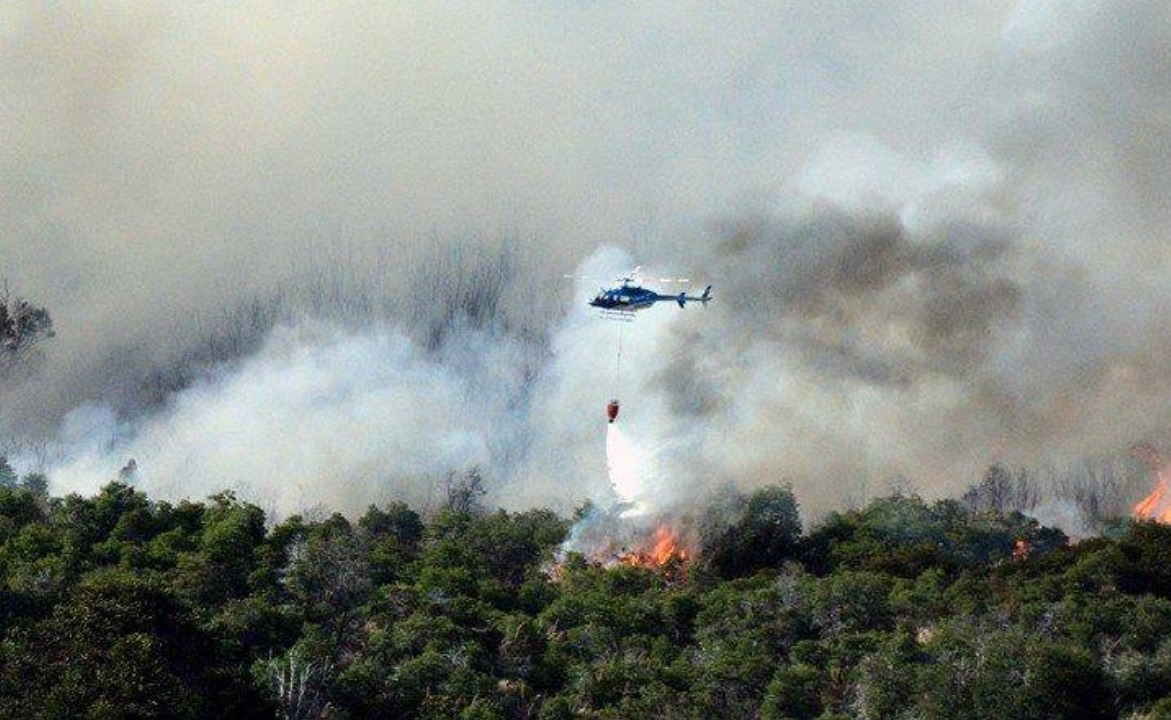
(22, 326)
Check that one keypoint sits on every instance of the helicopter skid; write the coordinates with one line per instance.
(619, 315)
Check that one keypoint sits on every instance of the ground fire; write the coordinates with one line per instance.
(1156, 505)
(629, 531)
(609, 540)
(664, 547)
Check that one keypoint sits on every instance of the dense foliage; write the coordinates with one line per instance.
(116, 606)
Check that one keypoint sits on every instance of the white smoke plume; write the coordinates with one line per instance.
(316, 416)
(323, 416)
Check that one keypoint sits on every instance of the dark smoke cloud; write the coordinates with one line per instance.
(859, 295)
(831, 319)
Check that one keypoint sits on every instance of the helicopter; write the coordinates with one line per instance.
(630, 296)
(624, 300)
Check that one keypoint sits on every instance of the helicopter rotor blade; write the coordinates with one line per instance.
(568, 276)
(634, 276)
(666, 280)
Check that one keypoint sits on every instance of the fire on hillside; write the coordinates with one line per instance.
(1156, 505)
(664, 547)
(607, 539)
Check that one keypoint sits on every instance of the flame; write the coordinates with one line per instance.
(1149, 507)
(1021, 549)
(665, 550)
(1153, 507)
(663, 547)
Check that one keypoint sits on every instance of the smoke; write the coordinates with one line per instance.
(316, 416)
(631, 471)
(313, 252)
(322, 415)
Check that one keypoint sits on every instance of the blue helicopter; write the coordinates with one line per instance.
(630, 296)
(623, 301)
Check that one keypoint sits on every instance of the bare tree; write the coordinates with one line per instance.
(329, 576)
(464, 490)
(1101, 489)
(1098, 495)
(299, 685)
(22, 326)
(992, 493)
(1003, 490)
(1026, 490)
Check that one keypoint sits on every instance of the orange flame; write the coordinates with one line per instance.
(1021, 549)
(668, 550)
(663, 547)
(1153, 507)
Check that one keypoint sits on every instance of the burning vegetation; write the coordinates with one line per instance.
(728, 532)
(665, 547)
(447, 614)
(1156, 505)
(610, 539)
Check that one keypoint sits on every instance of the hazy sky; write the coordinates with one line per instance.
(936, 229)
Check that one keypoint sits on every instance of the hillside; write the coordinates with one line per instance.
(119, 606)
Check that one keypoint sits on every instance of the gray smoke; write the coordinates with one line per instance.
(314, 252)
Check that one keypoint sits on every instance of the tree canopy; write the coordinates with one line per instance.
(117, 605)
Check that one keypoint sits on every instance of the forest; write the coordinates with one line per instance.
(302, 387)
(122, 606)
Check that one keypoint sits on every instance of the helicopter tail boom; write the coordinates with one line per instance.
(682, 298)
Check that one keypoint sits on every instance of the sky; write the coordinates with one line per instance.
(935, 232)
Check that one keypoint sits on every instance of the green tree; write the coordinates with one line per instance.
(793, 694)
(742, 535)
(8, 477)
(119, 647)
